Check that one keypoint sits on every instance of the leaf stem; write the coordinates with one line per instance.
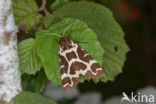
(53, 34)
(66, 29)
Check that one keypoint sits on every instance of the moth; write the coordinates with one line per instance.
(75, 61)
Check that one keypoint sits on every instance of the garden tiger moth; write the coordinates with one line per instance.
(75, 61)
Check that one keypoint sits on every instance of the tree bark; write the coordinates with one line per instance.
(9, 62)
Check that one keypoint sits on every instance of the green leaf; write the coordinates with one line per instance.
(113, 5)
(47, 41)
(31, 98)
(48, 48)
(34, 83)
(49, 20)
(75, 29)
(29, 60)
(58, 3)
(25, 12)
(109, 33)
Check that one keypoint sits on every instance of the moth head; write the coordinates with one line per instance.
(65, 43)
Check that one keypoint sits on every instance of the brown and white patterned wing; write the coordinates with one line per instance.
(69, 78)
(75, 61)
(93, 69)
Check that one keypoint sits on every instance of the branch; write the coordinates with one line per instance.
(9, 74)
(43, 8)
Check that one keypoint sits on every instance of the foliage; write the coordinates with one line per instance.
(47, 41)
(90, 25)
(28, 98)
(34, 83)
(109, 33)
(26, 14)
(29, 60)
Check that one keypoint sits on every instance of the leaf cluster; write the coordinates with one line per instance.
(88, 24)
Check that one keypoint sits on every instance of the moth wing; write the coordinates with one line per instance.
(69, 79)
(93, 69)
(76, 61)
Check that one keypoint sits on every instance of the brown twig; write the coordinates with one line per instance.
(43, 8)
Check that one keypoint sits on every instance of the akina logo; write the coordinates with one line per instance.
(141, 98)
